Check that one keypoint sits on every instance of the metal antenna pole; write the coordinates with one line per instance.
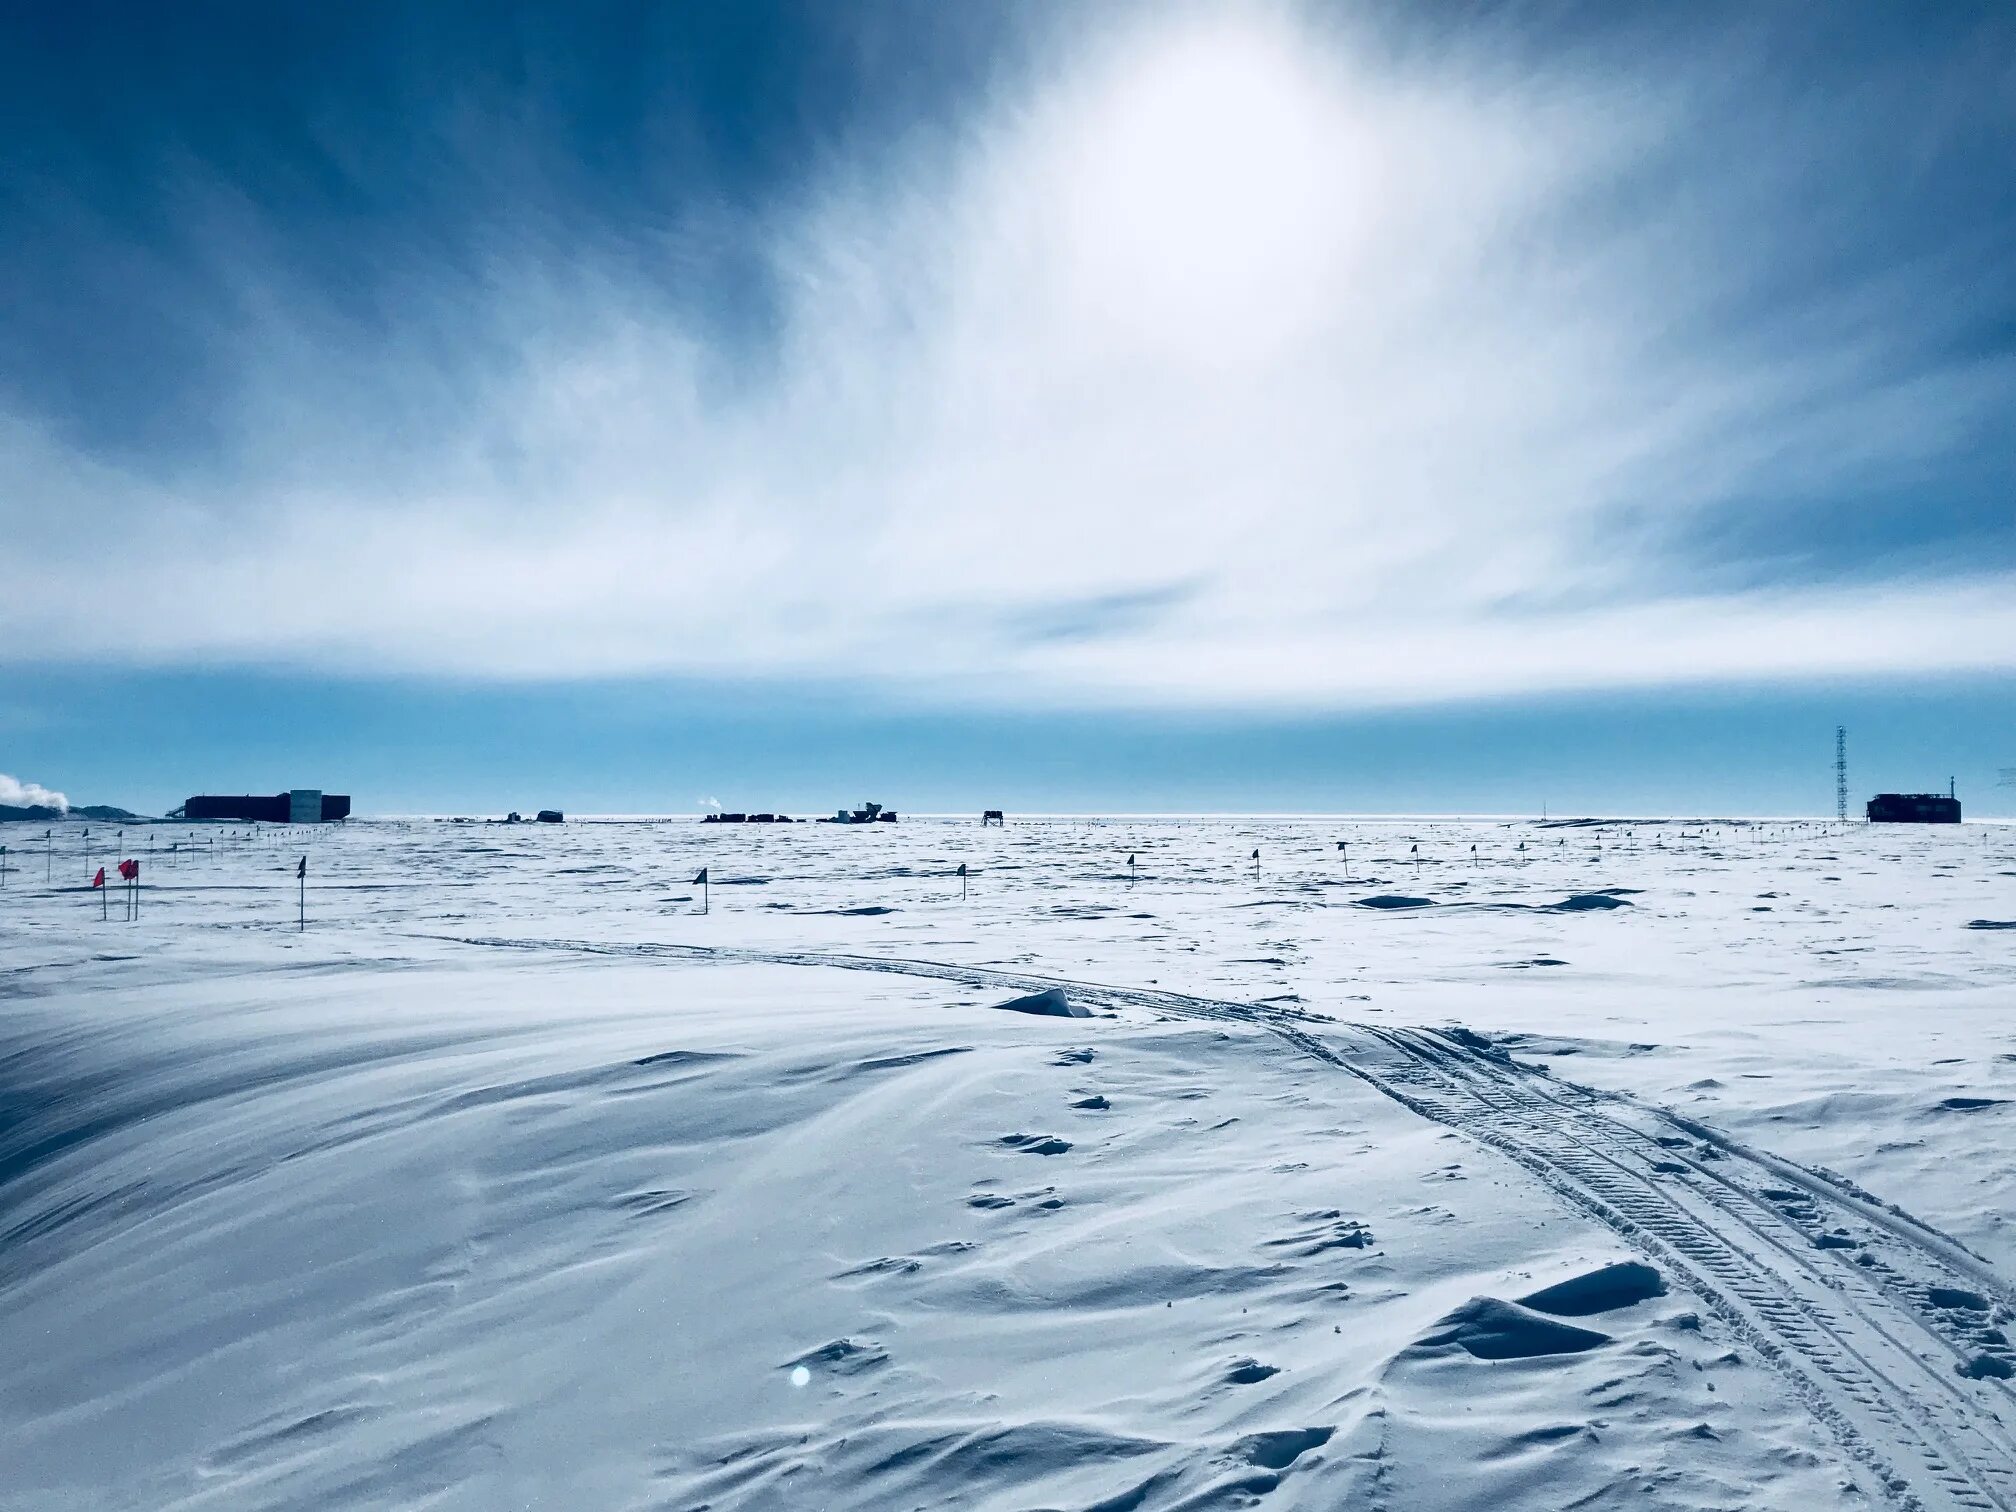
(1841, 773)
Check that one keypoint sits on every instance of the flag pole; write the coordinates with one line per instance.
(301, 876)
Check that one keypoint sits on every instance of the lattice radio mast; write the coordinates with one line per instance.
(1841, 773)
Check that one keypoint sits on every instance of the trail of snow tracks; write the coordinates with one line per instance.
(1879, 1324)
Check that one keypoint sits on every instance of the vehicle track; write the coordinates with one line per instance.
(1887, 1330)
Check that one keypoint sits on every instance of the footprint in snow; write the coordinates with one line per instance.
(841, 1357)
(1035, 1144)
(1248, 1372)
(1332, 1232)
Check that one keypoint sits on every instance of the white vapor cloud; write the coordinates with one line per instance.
(1232, 359)
(17, 794)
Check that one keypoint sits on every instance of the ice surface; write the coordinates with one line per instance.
(516, 1181)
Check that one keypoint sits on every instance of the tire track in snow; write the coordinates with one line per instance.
(1849, 1301)
(1851, 1341)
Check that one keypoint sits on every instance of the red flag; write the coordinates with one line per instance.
(99, 880)
(130, 870)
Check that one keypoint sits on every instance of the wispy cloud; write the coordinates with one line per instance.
(1227, 358)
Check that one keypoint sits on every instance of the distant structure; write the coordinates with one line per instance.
(868, 813)
(551, 816)
(300, 806)
(1841, 773)
(994, 817)
(746, 819)
(1914, 808)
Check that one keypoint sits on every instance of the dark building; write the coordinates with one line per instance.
(302, 806)
(1914, 808)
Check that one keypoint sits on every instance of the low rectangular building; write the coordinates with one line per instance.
(1914, 808)
(300, 806)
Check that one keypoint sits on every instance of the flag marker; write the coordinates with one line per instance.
(301, 878)
(104, 907)
(962, 879)
(701, 882)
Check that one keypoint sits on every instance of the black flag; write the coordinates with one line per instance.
(701, 880)
(301, 871)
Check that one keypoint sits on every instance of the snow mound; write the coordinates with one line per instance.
(1491, 1328)
(1584, 902)
(1049, 1003)
(1602, 1290)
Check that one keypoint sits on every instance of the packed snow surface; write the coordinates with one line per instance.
(1648, 1166)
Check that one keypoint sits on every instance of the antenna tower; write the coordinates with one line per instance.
(1841, 773)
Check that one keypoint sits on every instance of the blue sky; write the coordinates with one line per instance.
(1161, 407)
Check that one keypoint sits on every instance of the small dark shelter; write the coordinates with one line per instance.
(1914, 808)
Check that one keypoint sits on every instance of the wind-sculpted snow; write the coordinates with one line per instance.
(515, 1180)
